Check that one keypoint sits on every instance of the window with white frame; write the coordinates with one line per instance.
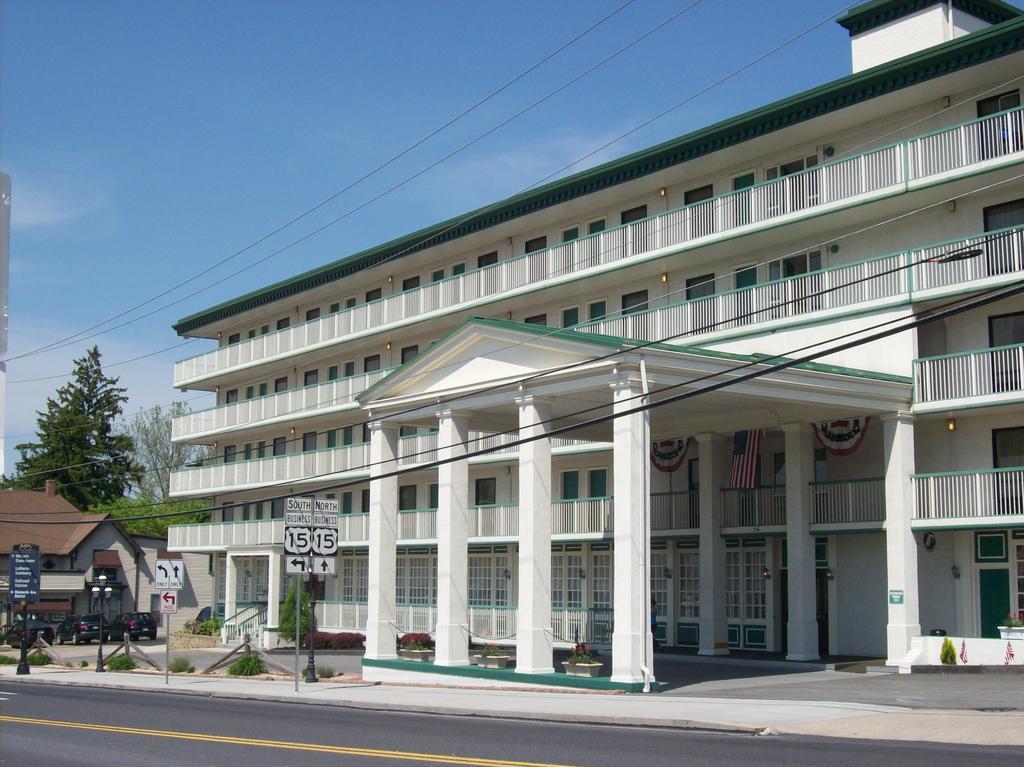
(502, 578)
(480, 579)
(755, 600)
(689, 584)
(354, 572)
(601, 580)
(566, 584)
(659, 583)
(419, 586)
(732, 585)
(400, 596)
(262, 578)
(557, 579)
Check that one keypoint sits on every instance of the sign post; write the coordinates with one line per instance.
(170, 578)
(310, 537)
(24, 588)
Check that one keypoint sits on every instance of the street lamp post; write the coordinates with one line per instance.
(102, 592)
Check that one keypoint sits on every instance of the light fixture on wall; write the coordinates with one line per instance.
(663, 191)
(508, 575)
(667, 573)
(664, 277)
(582, 574)
(951, 424)
(955, 572)
(389, 346)
(829, 575)
(766, 573)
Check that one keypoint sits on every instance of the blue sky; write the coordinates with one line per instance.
(147, 140)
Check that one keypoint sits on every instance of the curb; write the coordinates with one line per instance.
(607, 721)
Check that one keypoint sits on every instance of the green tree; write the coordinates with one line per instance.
(286, 618)
(155, 454)
(156, 526)
(77, 445)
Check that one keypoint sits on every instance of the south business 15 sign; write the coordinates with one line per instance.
(311, 527)
(24, 573)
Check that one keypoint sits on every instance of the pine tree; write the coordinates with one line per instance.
(77, 445)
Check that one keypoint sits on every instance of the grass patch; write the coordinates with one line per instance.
(324, 672)
(121, 663)
(180, 666)
(247, 665)
(7, 660)
(38, 659)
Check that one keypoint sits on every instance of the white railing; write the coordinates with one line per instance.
(353, 528)
(416, 619)
(582, 515)
(971, 374)
(496, 521)
(296, 467)
(849, 501)
(675, 511)
(350, 616)
(995, 493)
(876, 172)
(417, 525)
(294, 403)
(998, 253)
(754, 507)
(589, 625)
(261, 532)
(417, 448)
(248, 620)
(492, 622)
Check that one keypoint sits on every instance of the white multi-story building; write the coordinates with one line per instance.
(864, 201)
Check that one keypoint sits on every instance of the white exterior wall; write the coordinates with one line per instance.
(859, 610)
(915, 32)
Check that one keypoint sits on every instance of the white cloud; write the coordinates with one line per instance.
(38, 202)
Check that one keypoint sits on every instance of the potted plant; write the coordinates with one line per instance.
(416, 647)
(581, 662)
(494, 657)
(1014, 628)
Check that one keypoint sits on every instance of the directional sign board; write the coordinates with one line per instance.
(310, 527)
(168, 602)
(323, 566)
(24, 583)
(170, 574)
(295, 565)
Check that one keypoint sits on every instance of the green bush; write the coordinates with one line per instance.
(38, 659)
(286, 618)
(7, 660)
(247, 665)
(324, 672)
(120, 663)
(180, 666)
(947, 655)
(83, 663)
(208, 628)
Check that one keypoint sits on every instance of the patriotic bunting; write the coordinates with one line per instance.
(1008, 658)
(668, 454)
(963, 651)
(843, 436)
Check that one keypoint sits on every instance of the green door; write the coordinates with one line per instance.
(994, 588)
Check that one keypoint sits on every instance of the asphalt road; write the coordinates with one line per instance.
(59, 726)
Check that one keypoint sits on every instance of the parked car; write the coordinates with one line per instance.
(134, 624)
(36, 628)
(80, 628)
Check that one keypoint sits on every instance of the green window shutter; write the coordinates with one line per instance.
(598, 483)
(570, 485)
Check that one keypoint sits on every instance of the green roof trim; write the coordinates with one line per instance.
(867, 16)
(964, 52)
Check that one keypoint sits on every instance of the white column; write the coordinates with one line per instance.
(452, 634)
(632, 641)
(900, 544)
(714, 468)
(802, 628)
(534, 635)
(383, 532)
(273, 597)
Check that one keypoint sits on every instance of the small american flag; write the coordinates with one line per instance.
(1008, 658)
(963, 651)
(745, 448)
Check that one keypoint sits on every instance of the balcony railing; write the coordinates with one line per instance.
(291, 404)
(207, 535)
(675, 511)
(354, 528)
(591, 625)
(416, 618)
(492, 622)
(960, 378)
(992, 494)
(581, 516)
(874, 174)
(350, 616)
(1001, 254)
(417, 525)
(851, 501)
(313, 465)
(754, 507)
(494, 521)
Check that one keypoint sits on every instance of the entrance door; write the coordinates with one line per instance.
(994, 599)
(821, 610)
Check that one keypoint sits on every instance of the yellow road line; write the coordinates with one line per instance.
(282, 744)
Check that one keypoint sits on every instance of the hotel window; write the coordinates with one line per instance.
(407, 497)
(597, 483)
(355, 578)
(570, 234)
(557, 579)
(409, 353)
(480, 579)
(732, 585)
(437, 275)
(791, 167)
(419, 584)
(634, 302)
(264, 329)
(755, 601)
(309, 442)
(995, 104)
(335, 308)
(247, 451)
(332, 373)
(537, 243)
(280, 384)
(601, 580)
(537, 319)
(350, 369)
(227, 513)
(596, 226)
(689, 584)
(263, 389)
(570, 316)
(250, 392)
(1008, 448)
(234, 338)
(458, 269)
(693, 473)
(280, 445)
(487, 259)
(1004, 215)
(597, 310)
(566, 584)
(311, 378)
(350, 302)
(794, 265)
(346, 435)
(373, 295)
(283, 323)
(231, 396)
(371, 363)
(700, 287)
(485, 491)
(251, 333)
(410, 283)
(408, 431)
(433, 490)
(659, 583)
(570, 485)
(364, 500)
(332, 437)
(261, 449)
(346, 502)
(313, 314)
(633, 214)
(744, 277)
(230, 452)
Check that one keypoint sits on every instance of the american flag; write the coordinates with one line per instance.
(745, 447)
(1008, 658)
(963, 651)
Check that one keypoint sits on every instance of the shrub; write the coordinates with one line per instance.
(247, 665)
(120, 663)
(208, 628)
(492, 650)
(7, 660)
(324, 672)
(180, 666)
(38, 659)
(947, 655)
(286, 618)
(83, 663)
(416, 642)
(325, 640)
(581, 654)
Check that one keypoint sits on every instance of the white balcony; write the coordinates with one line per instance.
(675, 511)
(754, 509)
(991, 497)
(323, 465)
(496, 521)
(872, 175)
(854, 504)
(582, 516)
(417, 525)
(210, 536)
(969, 379)
(283, 406)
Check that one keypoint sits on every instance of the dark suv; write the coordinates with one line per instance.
(80, 628)
(134, 624)
(36, 628)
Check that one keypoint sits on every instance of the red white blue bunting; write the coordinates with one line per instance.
(668, 454)
(843, 436)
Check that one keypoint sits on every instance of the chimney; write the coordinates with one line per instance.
(51, 487)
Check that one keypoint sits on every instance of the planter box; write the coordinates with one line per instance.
(1006, 632)
(420, 656)
(582, 669)
(494, 661)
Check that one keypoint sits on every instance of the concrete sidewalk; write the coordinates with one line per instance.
(759, 716)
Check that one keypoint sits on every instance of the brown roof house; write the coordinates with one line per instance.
(74, 555)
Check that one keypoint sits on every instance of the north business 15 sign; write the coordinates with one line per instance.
(311, 527)
(24, 583)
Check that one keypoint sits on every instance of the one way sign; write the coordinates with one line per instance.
(170, 574)
(323, 566)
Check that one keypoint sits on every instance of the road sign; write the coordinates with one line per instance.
(24, 581)
(296, 565)
(170, 574)
(323, 566)
(168, 602)
(310, 527)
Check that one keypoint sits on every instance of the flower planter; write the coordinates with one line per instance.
(1011, 632)
(420, 656)
(494, 661)
(582, 669)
